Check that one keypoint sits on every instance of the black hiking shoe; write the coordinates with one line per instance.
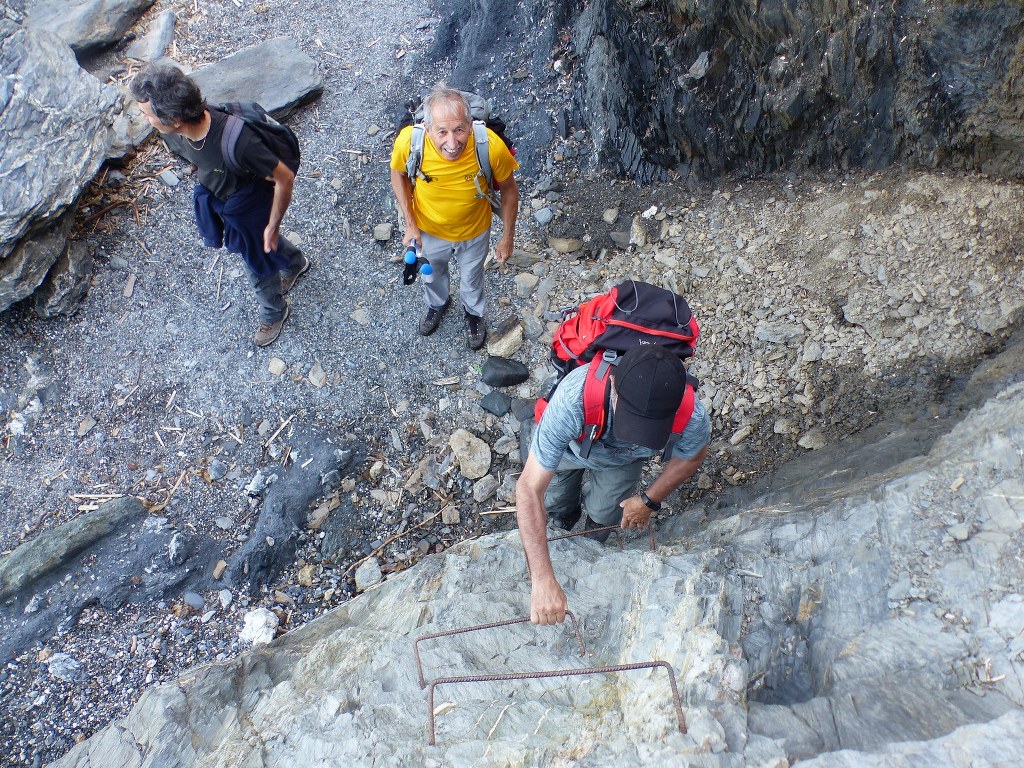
(598, 536)
(432, 319)
(476, 331)
(568, 523)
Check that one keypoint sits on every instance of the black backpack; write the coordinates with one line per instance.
(280, 139)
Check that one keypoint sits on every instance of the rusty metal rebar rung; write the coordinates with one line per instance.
(555, 673)
(616, 529)
(462, 630)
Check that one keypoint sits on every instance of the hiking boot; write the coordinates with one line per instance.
(267, 334)
(476, 331)
(430, 321)
(569, 522)
(288, 281)
(598, 536)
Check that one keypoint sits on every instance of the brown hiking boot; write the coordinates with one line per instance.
(288, 281)
(267, 334)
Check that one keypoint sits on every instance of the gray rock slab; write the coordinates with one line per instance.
(153, 45)
(502, 372)
(50, 549)
(277, 74)
(53, 139)
(87, 26)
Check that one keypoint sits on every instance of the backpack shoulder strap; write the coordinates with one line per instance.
(229, 142)
(414, 164)
(596, 402)
(683, 415)
(481, 145)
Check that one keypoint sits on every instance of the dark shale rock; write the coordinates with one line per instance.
(496, 402)
(712, 87)
(88, 26)
(67, 282)
(53, 139)
(502, 372)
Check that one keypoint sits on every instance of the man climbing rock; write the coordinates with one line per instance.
(242, 211)
(646, 390)
(445, 206)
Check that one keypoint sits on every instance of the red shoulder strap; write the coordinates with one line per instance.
(682, 417)
(596, 391)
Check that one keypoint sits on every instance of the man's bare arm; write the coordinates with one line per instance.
(509, 212)
(403, 195)
(284, 181)
(547, 599)
(635, 513)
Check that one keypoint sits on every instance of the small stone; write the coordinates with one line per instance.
(317, 376)
(306, 575)
(217, 470)
(506, 339)
(368, 575)
(741, 434)
(225, 597)
(194, 601)
(64, 667)
(382, 232)
(207, 616)
(621, 239)
(276, 366)
(472, 453)
(704, 482)
(219, 568)
(484, 488)
(544, 216)
(450, 515)
(373, 129)
(260, 627)
(565, 244)
(812, 440)
(224, 523)
(610, 215)
(960, 532)
(496, 402)
(525, 283)
(86, 425)
(169, 177)
(361, 316)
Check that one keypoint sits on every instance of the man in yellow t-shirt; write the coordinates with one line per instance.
(444, 211)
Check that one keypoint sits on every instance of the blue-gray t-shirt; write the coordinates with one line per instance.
(555, 436)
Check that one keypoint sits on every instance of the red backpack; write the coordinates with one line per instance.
(631, 314)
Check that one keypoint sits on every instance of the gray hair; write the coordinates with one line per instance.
(173, 96)
(447, 101)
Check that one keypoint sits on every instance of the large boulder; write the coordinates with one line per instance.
(54, 121)
(87, 26)
(292, 81)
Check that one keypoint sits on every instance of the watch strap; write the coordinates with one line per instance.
(654, 506)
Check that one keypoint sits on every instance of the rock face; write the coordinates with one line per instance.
(715, 86)
(845, 623)
(87, 26)
(53, 139)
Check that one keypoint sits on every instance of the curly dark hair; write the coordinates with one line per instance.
(172, 95)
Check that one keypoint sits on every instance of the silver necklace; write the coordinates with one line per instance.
(201, 144)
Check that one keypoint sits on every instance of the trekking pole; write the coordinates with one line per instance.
(414, 264)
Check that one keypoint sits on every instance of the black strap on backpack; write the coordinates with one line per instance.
(279, 138)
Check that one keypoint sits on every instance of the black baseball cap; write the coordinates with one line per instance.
(650, 382)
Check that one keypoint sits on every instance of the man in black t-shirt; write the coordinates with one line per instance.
(243, 213)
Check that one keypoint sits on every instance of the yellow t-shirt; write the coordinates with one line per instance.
(447, 206)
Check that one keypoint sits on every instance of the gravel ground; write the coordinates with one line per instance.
(826, 303)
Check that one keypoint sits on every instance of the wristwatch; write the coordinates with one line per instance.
(654, 506)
